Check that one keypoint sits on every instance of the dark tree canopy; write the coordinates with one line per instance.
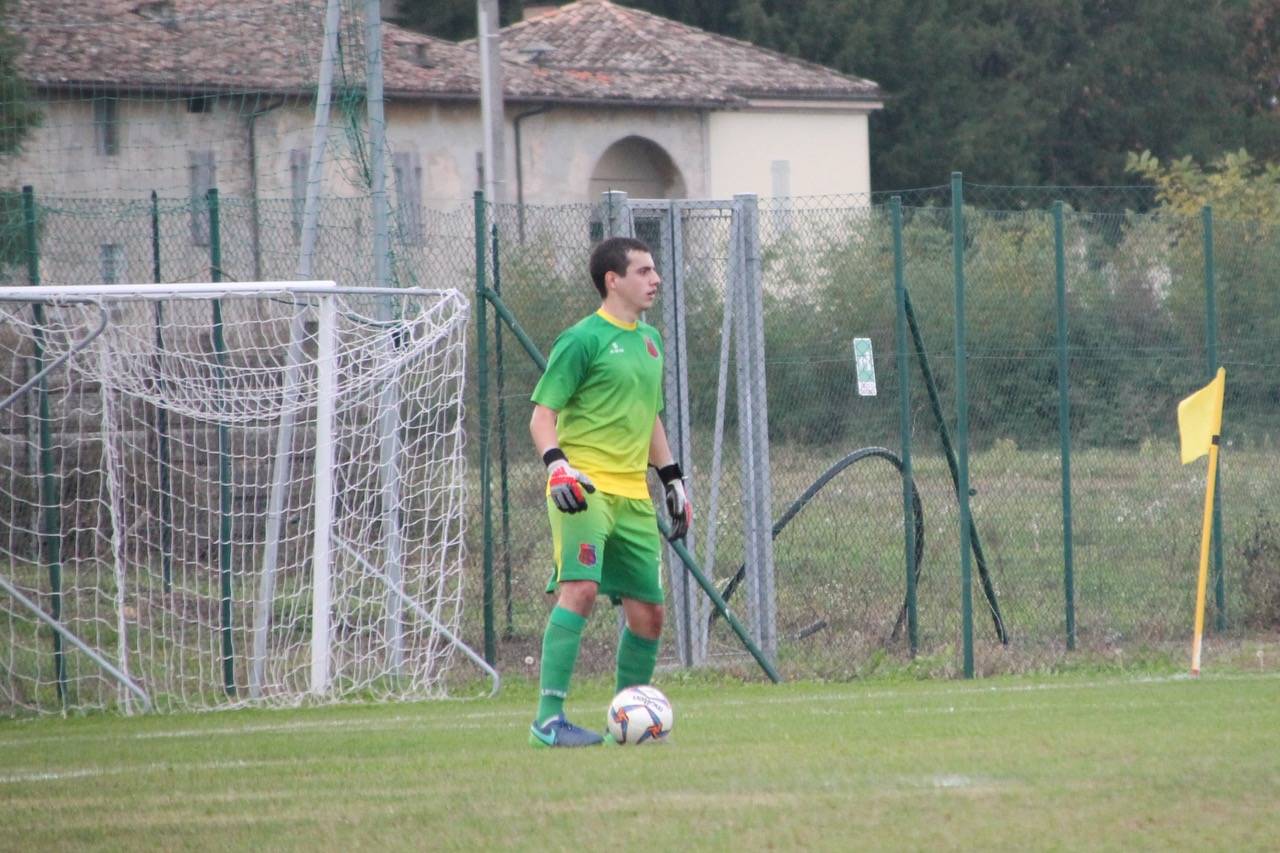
(1013, 91)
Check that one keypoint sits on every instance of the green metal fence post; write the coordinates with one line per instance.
(50, 487)
(482, 394)
(904, 419)
(1064, 423)
(948, 452)
(1211, 352)
(504, 498)
(962, 419)
(224, 456)
(162, 415)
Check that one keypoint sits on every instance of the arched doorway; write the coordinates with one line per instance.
(638, 167)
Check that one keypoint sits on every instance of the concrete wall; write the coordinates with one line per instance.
(812, 152)
(566, 157)
(562, 148)
(826, 152)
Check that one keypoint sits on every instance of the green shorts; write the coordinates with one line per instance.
(613, 542)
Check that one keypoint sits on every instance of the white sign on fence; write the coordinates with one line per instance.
(866, 367)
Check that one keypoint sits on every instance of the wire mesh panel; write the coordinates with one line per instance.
(197, 495)
(1009, 296)
(1248, 339)
(1131, 360)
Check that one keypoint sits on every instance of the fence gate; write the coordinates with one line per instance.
(708, 252)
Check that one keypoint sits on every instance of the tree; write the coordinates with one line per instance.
(1041, 91)
(1236, 185)
(18, 113)
(1038, 92)
(449, 19)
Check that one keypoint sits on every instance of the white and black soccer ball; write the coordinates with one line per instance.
(640, 715)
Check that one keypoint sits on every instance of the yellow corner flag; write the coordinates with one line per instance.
(1200, 418)
(1199, 427)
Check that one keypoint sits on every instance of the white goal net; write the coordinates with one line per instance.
(214, 495)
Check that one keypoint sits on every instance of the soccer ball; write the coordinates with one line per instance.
(640, 715)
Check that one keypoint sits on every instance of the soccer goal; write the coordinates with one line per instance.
(223, 494)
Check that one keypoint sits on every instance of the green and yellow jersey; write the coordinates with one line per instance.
(604, 378)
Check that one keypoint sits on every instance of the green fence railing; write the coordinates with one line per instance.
(1085, 315)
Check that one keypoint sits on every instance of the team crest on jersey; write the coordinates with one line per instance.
(651, 347)
(587, 554)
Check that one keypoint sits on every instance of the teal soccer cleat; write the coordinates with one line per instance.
(558, 731)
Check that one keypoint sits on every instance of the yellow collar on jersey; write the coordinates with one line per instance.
(609, 318)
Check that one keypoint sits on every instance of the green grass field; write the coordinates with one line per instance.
(1111, 761)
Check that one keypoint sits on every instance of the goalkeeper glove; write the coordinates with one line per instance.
(678, 507)
(569, 486)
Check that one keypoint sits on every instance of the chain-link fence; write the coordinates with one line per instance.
(1137, 289)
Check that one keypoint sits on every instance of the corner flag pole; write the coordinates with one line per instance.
(1203, 579)
(1200, 430)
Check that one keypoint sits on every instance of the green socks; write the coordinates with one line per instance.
(559, 654)
(637, 657)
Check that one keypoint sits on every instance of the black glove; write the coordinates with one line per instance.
(678, 507)
(569, 486)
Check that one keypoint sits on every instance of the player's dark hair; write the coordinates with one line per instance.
(611, 256)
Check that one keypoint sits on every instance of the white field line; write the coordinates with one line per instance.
(860, 703)
(25, 776)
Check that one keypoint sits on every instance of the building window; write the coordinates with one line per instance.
(299, 163)
(202, 176)
(106, 126)
(200, 104)
(112, 255)
(408, 176)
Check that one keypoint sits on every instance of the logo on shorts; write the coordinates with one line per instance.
(651, 347)
(587, 554)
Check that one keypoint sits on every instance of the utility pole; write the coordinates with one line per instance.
(495, 156)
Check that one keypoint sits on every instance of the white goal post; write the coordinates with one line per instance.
(225, 494)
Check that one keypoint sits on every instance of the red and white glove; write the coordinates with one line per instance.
(678, 507)
(569, 487)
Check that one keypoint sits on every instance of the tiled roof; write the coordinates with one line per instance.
(626, 54)
(221, 45)
(600, 52)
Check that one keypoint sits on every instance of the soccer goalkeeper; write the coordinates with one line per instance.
(595, 423)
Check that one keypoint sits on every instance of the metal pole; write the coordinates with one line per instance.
(321, 550)
(224, 455)
(319, 136)
(962, 420)
(61, 630)
(377, 144)
(283, 466)
(1211, 351)
(504, 498)
(1064, 422)
(761, 484)
(50, 488)
(482, 409)
(695, 608)
(746, 412)
(491, 100)
(389, 401)
(162, 415)
(699, 608)
(904, 420)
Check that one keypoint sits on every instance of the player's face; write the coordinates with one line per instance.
(638, 288)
